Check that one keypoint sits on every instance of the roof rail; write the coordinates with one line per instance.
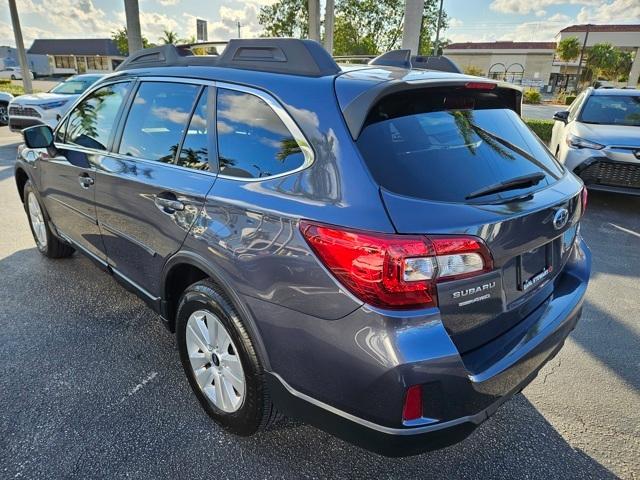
(277, 55)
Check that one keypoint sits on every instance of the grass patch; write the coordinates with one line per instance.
(542, 128)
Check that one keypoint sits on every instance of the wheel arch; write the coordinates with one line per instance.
(21, 180)
(177, 275)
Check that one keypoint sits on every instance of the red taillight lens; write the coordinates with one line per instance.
(395, 271)
(412, 408)
(583, 196)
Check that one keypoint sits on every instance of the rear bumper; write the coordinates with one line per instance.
(359, 396)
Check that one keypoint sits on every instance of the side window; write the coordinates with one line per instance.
(62, 131)
(252, 140)
(157, 120)
(575, 106)
(92, 121)
(194, 152)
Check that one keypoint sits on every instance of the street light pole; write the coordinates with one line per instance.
(584, 45)
(435, 45)
(314, 19)
(329, 21)
(134, 36)
(22, 55)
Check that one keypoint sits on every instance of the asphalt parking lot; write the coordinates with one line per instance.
(544, 111)
(91, 385)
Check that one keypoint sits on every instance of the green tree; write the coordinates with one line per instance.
(362, 26)
(625, 61)
(121, 38)
(285, 18)
(347, 40)
(382, 20)
(603, 61)
(568, 49)
(169, 37)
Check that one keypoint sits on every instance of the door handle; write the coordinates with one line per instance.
(168, 205)
(85, 180)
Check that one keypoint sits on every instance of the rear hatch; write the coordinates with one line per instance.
(459, 160)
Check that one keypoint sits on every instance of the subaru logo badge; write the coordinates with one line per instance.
(637, 154)
(560, 218)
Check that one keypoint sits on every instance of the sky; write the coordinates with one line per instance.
(469, 20)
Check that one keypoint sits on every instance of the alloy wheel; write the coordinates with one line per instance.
(215, 361)
(37, 220)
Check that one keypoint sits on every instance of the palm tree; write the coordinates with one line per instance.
(568, 49)
(169, 37)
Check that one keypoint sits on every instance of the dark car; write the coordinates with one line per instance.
(386, 253)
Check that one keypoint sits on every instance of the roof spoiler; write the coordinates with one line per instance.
(394, 58)
(276, 55)
(404, 59)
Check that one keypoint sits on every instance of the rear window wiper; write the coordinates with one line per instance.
(512, 184)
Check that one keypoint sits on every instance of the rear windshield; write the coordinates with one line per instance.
(447, 145)
(612, 110)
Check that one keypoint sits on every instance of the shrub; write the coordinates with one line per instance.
(532, 96)
(5, 81)
(542, 128)
(568, 100)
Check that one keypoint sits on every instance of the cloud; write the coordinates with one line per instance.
(541, 13)
(622, 11)
(166, 3)
(524, 7)
(455, 22)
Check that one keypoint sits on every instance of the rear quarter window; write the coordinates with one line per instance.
(445, 144)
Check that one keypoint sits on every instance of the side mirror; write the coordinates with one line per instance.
(561, 116)
(39, 136)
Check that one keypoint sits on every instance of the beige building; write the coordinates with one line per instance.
(535, 63)
(524, 63)
(82, 55)
(625, 37)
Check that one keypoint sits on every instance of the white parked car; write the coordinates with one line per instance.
(13, 73)
(5, 98)
(598, 138)
(47, 108)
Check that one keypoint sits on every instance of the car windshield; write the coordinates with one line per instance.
(74, 86)
(612, 110)
(449, 145)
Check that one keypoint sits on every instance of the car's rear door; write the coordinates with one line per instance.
(153, 184)
(68, 176)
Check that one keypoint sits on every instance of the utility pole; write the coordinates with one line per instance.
(239, 29)
(413, 10)
(22, 55)
(314, 19)
(134, 36)
(584, 46)
(329, 22)
(436, 43)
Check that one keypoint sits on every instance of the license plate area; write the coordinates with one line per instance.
(534, 266)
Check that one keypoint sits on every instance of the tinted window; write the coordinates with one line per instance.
(194, 152)
(61, 131)
(92, 121)
(157, 120)
(445, 145)
(252, 140)
(573, 109)
(74, 85)
(612, 110)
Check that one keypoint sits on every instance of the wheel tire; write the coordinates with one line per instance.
(4, 113)
(256, 411)
(51, 247)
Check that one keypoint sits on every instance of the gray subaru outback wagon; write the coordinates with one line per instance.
(385, 252)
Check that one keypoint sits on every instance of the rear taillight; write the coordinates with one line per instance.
(480, 85)
(412, 408)
(583, 198)
(395, 271)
